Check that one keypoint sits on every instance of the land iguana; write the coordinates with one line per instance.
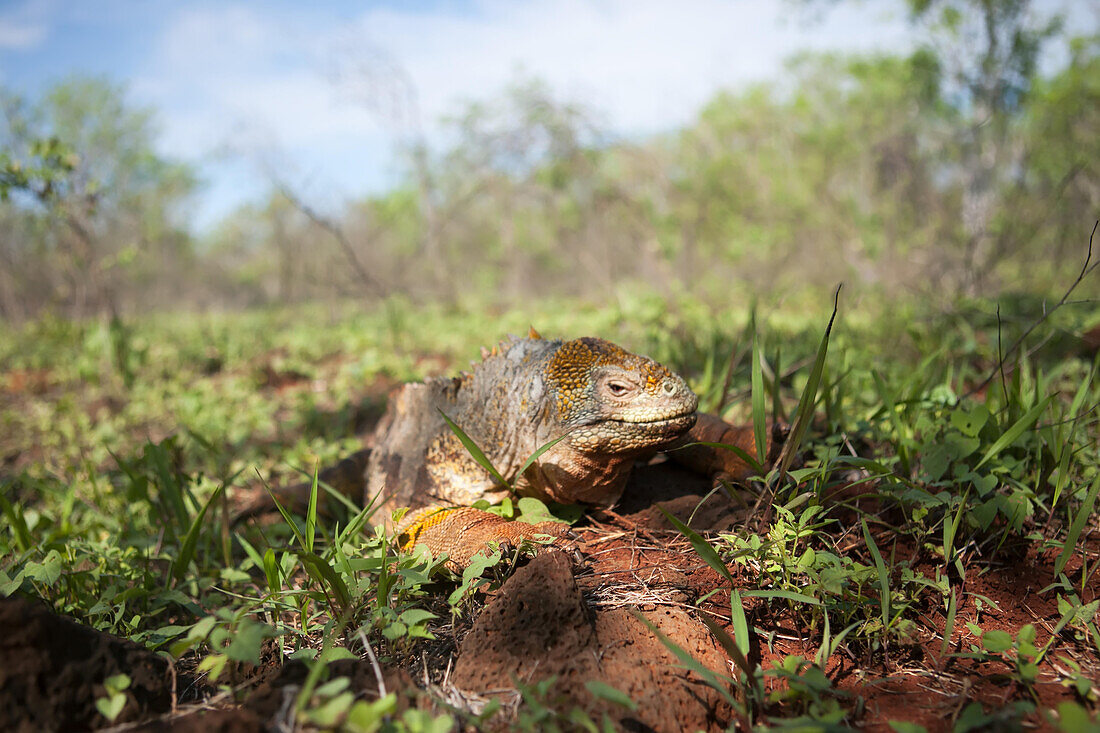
(612, 407)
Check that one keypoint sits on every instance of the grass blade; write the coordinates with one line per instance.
(319, 569)
(613, 695)
(702, 547)
(283, 511)
(1077, 525)
(789, 595)
(759, 429)
(805, 411)
(535, 456)
(311, 514)
(883, 578)
(18, 524)
(1009, 436)
(750, 461)
(730, 645)
(719, 682)
(475, 452)
(949, 623)
(191, 539)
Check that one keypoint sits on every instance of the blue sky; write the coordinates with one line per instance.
(246, 88)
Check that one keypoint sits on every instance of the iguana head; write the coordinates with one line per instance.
(612, 401)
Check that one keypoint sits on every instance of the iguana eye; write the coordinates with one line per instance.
(617, 388)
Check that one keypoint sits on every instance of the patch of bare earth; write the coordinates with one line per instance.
(52, 670)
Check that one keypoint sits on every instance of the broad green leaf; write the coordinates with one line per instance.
(111, 707)
(996, 641)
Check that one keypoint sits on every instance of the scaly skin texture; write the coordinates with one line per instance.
(612, 407)
(609, 408)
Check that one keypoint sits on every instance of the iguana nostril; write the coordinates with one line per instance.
(669, 386)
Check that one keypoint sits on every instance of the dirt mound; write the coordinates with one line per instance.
(52, 671)
(538, 627)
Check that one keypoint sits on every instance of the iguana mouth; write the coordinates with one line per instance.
(673, 418)
(687, 418)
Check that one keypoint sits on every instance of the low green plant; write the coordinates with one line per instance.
(110, 706)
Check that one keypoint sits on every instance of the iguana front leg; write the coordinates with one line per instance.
(721, 463)
(462, 532)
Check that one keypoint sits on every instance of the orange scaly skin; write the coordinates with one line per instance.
(462, 532)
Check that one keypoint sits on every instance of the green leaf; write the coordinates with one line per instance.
(117, 683)
(612, 695)
(248, 640)
(1074, 718)
(311, 514)
(970, 422)
(47, 571)
(479, 563)
(535, 456)
(733, 647)
(23, 539)
(320, 570)
(415, 616)
(329, 713)
(111, 707)
(949, 624)
(904, 726)
(741, 453)
(367, 717)
(996, 641)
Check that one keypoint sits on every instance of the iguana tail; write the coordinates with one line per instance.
(348, 477)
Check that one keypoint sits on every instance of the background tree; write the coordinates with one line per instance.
(109, 233)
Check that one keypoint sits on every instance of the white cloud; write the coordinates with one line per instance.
(643, 65)
(23, 27)
(647, 64)
(18, 36)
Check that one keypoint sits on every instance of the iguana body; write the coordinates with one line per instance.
(612, 407)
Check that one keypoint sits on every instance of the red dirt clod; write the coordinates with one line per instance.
(538, 626)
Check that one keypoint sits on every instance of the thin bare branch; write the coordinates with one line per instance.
(370, 284)
(1086, 269)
